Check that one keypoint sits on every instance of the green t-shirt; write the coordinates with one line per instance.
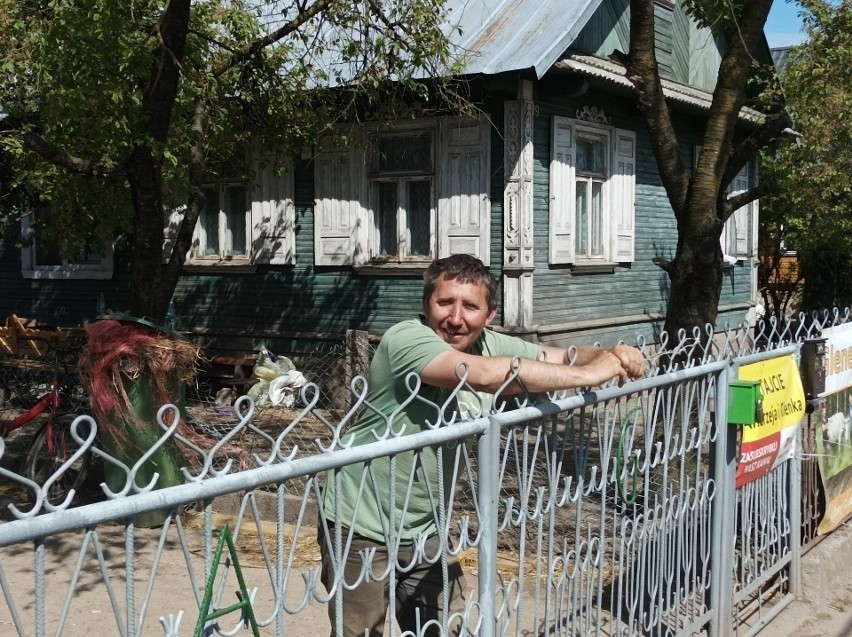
(405, 348)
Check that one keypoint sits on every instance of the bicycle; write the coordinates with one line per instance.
(53, 443)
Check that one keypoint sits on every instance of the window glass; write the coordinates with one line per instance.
(409, 153)
(582, 232)
(385, 210)
(209, 224)
(235, 221)
(419, 211)
(402, 197)
(591, 173)
(50, 252)
(591, 155)
(49, 257)
(597, 214)
(222, 225)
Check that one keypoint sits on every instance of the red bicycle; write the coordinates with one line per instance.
(53, 443)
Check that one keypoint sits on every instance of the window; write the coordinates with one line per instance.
(592, 191)
(590, 179)
(248, 221)
(735, 234)
(403, 196)
(402, 187)
(735, 243)
(42, 259)
(223, 225)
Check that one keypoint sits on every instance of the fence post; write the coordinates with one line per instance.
(795, 478)
(723, 510)
(488, 454)
(357, 346)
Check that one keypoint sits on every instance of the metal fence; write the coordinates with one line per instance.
(605, 512)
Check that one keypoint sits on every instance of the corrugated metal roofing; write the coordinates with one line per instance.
(617, 74)
(512, 35)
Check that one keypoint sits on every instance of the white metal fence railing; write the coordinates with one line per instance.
(607, 512)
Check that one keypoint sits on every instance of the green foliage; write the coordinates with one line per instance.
(78, 72)
(813, 201)
(720, 16)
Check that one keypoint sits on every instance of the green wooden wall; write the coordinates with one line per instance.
(685, 53)
(283, 304)
(632, 297)
(607, 30)
(60, 302)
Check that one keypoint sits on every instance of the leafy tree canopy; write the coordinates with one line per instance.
(811, 208)
(117, 110)
(721, 16)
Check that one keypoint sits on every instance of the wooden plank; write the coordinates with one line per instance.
(20, 337)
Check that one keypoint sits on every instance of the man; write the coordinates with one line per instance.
(400, 534)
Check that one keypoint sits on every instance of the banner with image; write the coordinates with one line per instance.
(834, 427)
(766, 444)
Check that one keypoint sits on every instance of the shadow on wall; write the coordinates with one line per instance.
(664, 286)
(277, 300)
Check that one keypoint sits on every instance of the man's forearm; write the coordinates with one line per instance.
(578, 355)
(489, 374)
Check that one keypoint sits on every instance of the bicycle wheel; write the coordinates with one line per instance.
(50, 448)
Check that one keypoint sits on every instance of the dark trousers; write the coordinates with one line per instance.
(419, 589)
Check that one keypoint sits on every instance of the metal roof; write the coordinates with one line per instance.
(513, 35)
(616, 74)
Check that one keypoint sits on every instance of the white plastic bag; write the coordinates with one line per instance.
(277, 378)
(282, 389)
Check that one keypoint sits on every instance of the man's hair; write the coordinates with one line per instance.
(466, 269)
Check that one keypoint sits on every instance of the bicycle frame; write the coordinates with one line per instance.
(50, 401)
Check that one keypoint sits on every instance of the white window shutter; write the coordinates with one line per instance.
(171, 220)
(735, 235)
(623, 196)
(562, 197)
(340, 221)
(27, 251)
(273, 213)
(464, 205)
(738, 221)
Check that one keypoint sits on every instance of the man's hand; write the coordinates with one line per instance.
(604, 368)
(631, 360)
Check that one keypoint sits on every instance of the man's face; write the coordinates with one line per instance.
(458, 312)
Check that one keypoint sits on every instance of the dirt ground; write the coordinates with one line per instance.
(79, 605)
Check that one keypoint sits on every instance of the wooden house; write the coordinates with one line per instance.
(555, 187)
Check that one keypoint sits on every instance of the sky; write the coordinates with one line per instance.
(783, 26)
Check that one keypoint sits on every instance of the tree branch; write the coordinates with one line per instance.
(663, 264)
(773, 127)
(158, 97)
(644, 74)
(729, 94)
(254, 47)
(745, 198)
(377, 11)
(195, 201)
(63, 159)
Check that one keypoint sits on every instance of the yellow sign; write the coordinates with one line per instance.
(783, 396)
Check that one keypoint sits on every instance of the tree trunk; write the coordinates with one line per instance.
(148, 298)
(695, 274)
(146, 275)
(699, 202)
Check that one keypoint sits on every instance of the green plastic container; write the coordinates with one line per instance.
(137, 440)
(138, 435)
